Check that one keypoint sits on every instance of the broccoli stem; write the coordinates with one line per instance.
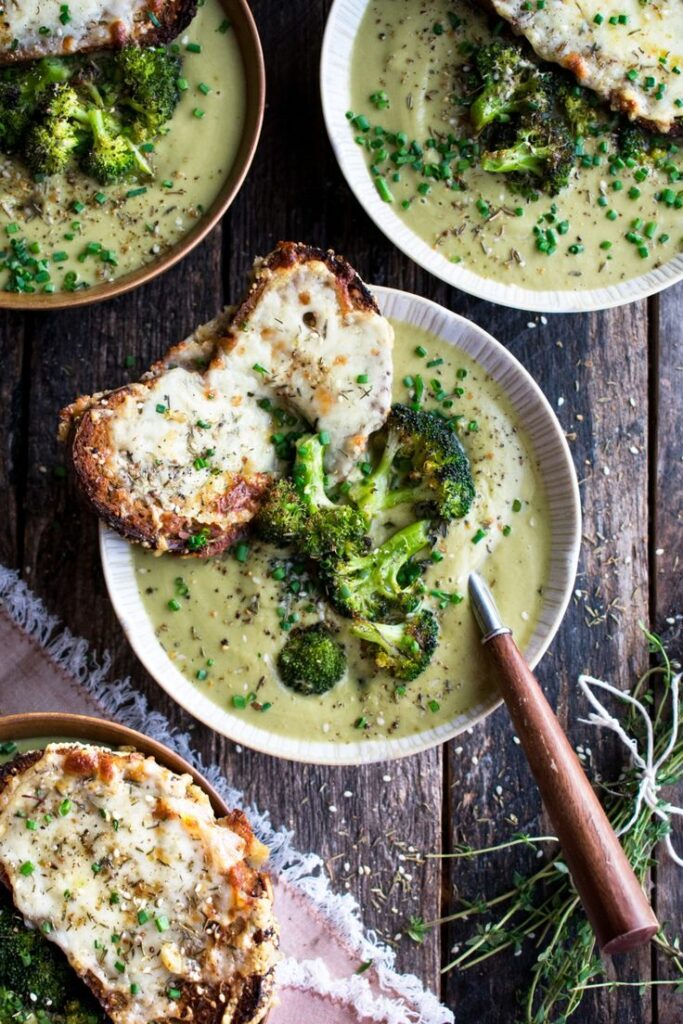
(309, 472)
(381, 567)
(389, 637)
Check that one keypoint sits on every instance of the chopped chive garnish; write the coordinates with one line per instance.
(162, 923)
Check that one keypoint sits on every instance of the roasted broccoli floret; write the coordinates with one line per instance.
(21, 90)
(36, 980)
(149, 87)
(298, 511)
(51, 140)
(510, 84)
(312, 661)
(66, 125)
(331, 527)
(283, 517)
(377, 585)
(423, 461)
(541, 150)
(404, 649)
(577, 106)
(111, 156)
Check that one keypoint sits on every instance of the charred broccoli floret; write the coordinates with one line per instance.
(66, 125)
(509, 84)
(404, 649)
(312, 661)
(298, 511)
(51, 140)
(283, 517)
(36, 980)
(21, 90)
(541, 150)
(423, 461)
(376, 585)
(111, 155)
(577, 106)
(149, 87)
(331, 527)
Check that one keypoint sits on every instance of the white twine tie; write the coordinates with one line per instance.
(643, 762)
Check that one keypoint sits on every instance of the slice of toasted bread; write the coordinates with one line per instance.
(23, 36)
(124, 847)
(181, 459)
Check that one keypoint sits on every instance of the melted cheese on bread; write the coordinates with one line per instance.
(629, 52)
(124, 866)
(306, 339)
(36, 28)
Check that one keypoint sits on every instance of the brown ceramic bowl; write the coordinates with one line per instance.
(51, 724)
(244, 28)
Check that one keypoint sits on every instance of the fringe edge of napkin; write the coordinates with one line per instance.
(304, 871)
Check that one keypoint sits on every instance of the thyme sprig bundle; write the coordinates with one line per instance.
(544, 909)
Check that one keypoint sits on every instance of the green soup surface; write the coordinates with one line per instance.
(81, 233)
(612, 223)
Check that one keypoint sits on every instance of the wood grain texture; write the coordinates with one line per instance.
(375, 825)
(666, 553)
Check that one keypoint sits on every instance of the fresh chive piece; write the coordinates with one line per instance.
(64, 808)
(198, 113)
(193, 48)
(174, 605)
(204, 88)
(162, 923)
(143, 916)
(479, 536)
(27, 868)
(242, 551)
(183, 84)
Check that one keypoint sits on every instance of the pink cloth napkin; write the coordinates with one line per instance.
(317, 977)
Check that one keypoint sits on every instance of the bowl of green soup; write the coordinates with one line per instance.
(400, 83)
(210, 630)
(84, 233)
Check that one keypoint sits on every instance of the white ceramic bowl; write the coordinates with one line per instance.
(557, 470)
(335, 87)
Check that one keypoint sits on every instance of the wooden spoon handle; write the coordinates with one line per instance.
(610, 892)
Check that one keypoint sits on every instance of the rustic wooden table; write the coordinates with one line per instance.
(615, 380)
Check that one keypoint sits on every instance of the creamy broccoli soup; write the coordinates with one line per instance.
(618, 217)
(224, 620)
(84, 233)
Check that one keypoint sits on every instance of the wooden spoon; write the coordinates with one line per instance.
(612, 897)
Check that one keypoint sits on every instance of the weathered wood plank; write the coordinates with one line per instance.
(13, 416)
(666, 519)
(584, 362)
